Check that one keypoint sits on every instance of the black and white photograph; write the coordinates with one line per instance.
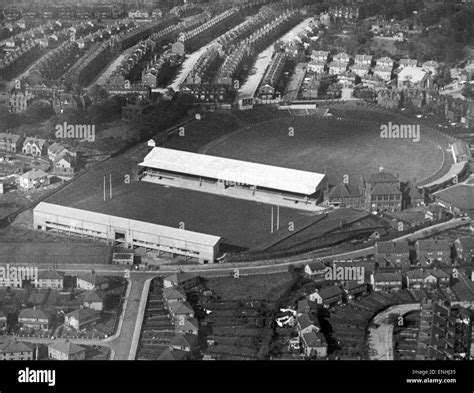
(188, 184)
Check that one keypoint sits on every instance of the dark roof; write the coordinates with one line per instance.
(330, 291)
(49, 275)
(393, 247)
(94, 296)
(382, 177)
(385, 189)
(173, 354)
(184, 340)
(466, 242)
(32, 313)
(314, 339)
(343, 190)
(387, 276)
(305, 321)
(83, 313)
(174, 293)
(68, 347)
(189, 323)
(415, 194)
(93, 278)
(433, 244)
(460, 195)
(316, 265)
(181, 277)
(181, 308)
(14, 346)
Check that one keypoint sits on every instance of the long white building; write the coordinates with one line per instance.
(168, 165)
(125, 232)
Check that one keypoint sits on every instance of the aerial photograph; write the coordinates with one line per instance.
(225, 180)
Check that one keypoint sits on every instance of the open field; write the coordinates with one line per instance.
(268, 287)
(331, 146)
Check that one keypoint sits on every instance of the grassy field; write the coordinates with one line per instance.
(330, 146)
(266, 287)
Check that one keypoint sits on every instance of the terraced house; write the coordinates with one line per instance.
(395, 253)
(386, 281)
(15, 350)
(433, 249)
(464, 247)
(11, 142)
(33, 318)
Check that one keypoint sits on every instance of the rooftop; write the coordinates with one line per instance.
(67, 347)
(241, 172)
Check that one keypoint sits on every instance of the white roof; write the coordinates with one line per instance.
(125, 223)
(242, 172)
(414, 74)
(453, 171)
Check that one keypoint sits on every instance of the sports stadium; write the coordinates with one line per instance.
(276, 162)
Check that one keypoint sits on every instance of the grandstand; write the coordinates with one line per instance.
(126, 233)
(239, 179)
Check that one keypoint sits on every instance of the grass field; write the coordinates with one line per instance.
(319, 145)
(330, 146)
(267, 287)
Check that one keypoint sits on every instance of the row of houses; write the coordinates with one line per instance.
(222, 17)
(52, 279)
(36, 147)
(181, 314)
(426, 250)
(363, 65)
(17, 350)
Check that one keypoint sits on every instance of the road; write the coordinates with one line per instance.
(381, 336)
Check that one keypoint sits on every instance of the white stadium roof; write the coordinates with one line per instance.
(79, 215)
(241, 172)
(455, 170)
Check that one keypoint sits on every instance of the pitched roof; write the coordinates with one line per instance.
(37, 141)
(92, 279)
(385, 189)
(14, 346)
(49, 275)
(387, 276)
(180, 277)
(392, 247)
(94, 296)
(460, 195)
(467, 242)
(305, 321)
(181, 308)
(34, 174)
(82, 313)
(433, 244)
(417, 274)
(189, 324)
(32, 313)
(55, 148)
(343, 190)
(68, 347)
(382, 177)
(183, 340)
(316, 265)
(173, 354)
(314, 339)
(174, 293)
(330, 291)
